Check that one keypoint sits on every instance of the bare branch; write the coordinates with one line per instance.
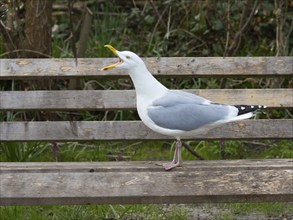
(193, 152)
(27, 51)
(237, 38)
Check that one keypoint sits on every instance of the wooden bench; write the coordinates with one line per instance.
(197, 181)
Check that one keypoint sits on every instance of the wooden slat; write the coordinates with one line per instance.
(169, 66)
(139, 166)
(136, 130)
(146, 182)
(117, 99)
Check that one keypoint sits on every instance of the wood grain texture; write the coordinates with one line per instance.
(139, 166)
(136, 130)
(168, 66)
(117, 99)
(146, 182)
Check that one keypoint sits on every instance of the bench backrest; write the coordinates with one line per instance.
(103, 100)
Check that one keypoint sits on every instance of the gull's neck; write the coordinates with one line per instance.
(146, 85)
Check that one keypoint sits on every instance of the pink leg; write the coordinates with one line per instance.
(177, 157)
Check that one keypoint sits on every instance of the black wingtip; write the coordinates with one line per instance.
(243, 109)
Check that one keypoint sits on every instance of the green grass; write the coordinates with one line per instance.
(155, 212)
(141, 150)
(91, 212)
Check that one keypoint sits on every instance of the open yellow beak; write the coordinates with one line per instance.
(113, 65)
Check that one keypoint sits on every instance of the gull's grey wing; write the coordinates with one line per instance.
(187, 117)
(185, 111)
(179, 97)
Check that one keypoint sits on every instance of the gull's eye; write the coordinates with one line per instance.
(128, 57)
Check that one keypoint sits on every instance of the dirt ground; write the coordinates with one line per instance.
(217, 213)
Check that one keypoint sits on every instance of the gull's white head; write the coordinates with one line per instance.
(127, 59)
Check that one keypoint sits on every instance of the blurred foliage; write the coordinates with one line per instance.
(186, 28)
(171, 28)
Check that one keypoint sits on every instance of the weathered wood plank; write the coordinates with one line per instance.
(100, 185)
(169, 66)
(117, 99)
(140, 166)
(136, 130)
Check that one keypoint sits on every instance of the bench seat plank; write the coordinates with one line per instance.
(117, 99)
(146, 182)
(136, 130)
(139, 166)
(168, 66)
